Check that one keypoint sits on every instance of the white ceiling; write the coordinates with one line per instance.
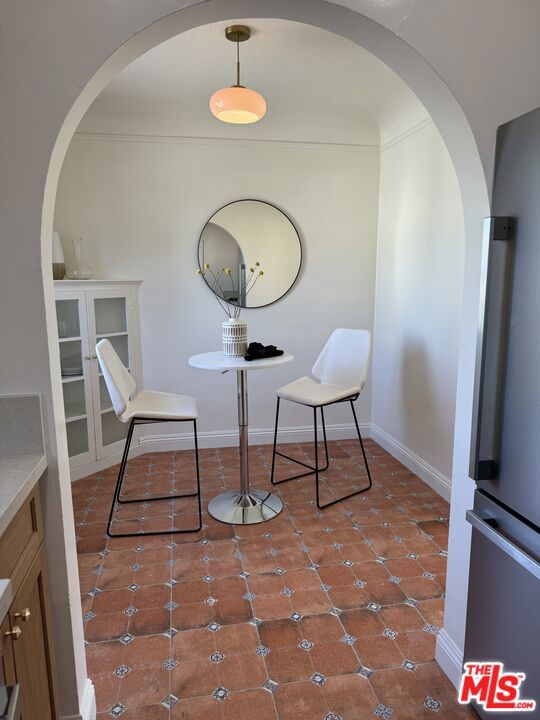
(318, 87)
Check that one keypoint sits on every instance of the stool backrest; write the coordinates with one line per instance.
(344, 359)
(119, 382)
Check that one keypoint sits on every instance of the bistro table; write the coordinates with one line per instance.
(247, 506)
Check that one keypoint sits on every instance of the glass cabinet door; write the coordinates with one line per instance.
(110, 319)
(76, 383)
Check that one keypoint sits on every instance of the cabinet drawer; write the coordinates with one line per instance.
(21, 540)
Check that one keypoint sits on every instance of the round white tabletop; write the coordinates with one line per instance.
(217, 360)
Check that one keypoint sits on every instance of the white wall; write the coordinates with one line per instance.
(141, 206)
(418, 301)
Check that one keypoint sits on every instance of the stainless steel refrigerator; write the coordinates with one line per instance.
(503, 611)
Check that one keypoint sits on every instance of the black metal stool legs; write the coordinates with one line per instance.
(121, 473)
(316, 470)
(310, 468)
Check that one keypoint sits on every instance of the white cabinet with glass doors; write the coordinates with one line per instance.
(87, 311)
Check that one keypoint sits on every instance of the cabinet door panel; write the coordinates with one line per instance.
(32, 650)
(76, 365)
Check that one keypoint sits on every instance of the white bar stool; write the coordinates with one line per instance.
(340, 371)
(148, 406)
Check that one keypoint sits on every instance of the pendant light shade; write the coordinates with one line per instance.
(238, 104)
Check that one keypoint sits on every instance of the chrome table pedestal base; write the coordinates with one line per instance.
(256, 507)
(246, 507)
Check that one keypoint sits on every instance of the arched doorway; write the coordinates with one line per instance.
(436, 97)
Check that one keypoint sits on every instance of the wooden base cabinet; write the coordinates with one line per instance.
(26, 654)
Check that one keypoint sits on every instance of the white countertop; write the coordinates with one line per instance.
(18, 476)
(217, 360)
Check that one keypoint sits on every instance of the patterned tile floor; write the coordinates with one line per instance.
(313, 615)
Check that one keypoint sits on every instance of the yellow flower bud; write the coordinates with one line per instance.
(200, 272)
(257, 263)
(251, 269)
(261, 272)
(228, 271)
(206, 266)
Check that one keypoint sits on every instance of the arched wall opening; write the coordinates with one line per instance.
(453, 127)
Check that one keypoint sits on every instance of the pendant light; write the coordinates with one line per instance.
(237, 104)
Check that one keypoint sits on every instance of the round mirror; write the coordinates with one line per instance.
(250, 253)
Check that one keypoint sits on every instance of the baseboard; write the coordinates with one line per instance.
(426, 472)
(261, 436)
(88, 704)
(215, 439)
(449, 657)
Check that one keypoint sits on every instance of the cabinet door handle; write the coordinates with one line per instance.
(25, 615)
(15, 633)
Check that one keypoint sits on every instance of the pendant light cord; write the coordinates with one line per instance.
(237, 63)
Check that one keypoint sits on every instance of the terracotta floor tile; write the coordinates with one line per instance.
(402, 618)
(104, 657)
(418, 646)
(433, 563)
(193, 645)
(112, 601)
(336, 547)
(232, 611)
(145, 686)
(398, 686)
(147, 652)
(384, 593)
(378, 651)
(266, 584)
(193, 679)
(241, 672)
(145, 712)
(192, 615)
(107, 626)
(301, 701)
(150, 621)
(321, 629)
(371, 571)
(237, 639)
(277, 634)
(257, 704)
(447, 710)
(421, 588)
(432, 611)
(350, 697)
(363, 622)
(289, 665)
(335, 658)
(404, 567)
(114, 578)
(348, 597)
(336, 575)
(311, 602)
(190, 592)
(268, 607)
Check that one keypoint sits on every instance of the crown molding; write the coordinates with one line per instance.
(212, 141)
(406, 133)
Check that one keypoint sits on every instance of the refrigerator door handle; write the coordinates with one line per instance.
(516, 553)
(495, 289)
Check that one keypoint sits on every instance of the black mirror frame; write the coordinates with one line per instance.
(265, 202)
